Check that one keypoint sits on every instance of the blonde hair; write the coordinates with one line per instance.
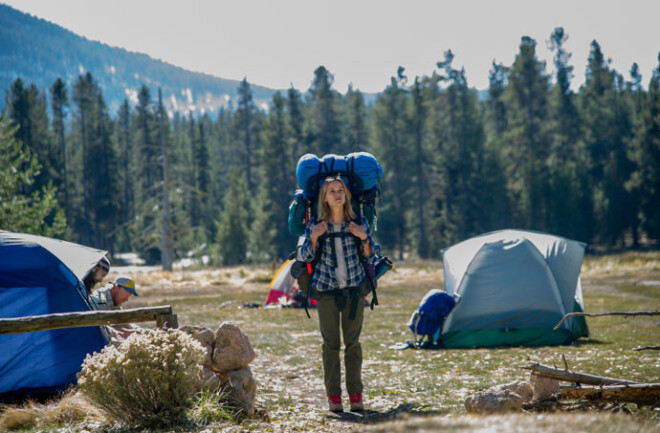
(323, 212)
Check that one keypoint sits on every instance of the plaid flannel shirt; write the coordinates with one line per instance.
(323, 278)
(102, 299)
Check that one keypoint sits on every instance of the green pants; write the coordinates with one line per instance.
(331, 320)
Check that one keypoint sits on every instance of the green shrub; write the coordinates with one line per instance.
(212, 407)
(147, 380)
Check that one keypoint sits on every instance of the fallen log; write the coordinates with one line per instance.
(569, 376)
(642, 393)
(609, 313)
(20, 325)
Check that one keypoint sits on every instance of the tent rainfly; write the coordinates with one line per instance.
(282, 286)
(512, 288)
(40, 275)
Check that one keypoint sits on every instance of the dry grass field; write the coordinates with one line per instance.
(413, 390)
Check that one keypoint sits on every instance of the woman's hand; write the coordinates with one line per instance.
(357, 230)
(318, 230)
(361, 233)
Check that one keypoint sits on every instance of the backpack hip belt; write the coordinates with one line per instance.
(341, 296)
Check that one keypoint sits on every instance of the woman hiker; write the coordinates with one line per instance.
(339, 283)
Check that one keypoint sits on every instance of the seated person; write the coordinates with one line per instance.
(113, 295)
(95, 275)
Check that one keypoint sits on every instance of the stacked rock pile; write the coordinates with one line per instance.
(226, 365)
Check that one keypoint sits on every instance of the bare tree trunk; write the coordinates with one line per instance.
(165, 248)
(644, 394)
(569, 376)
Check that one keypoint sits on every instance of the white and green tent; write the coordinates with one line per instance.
(512, 288)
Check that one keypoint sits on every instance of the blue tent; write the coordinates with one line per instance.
(40, 275)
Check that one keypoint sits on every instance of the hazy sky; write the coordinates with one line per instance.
(277, 43)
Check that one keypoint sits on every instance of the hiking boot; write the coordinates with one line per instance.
(356, 402)
(334, 403)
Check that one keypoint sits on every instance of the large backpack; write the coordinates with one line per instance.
(361, 172)
(427, 320)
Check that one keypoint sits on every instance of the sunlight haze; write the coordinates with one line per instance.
(280, 43)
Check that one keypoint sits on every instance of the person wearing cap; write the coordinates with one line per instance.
(95, 275)
(113, 295)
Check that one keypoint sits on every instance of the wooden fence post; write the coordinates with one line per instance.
(167, 321)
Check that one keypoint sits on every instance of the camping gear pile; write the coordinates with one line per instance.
(40, 275)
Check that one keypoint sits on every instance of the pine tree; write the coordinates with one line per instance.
(497, 206)
(186, 239)
(165, 233)
(203, 175)
(245, 131)
(126, 168)
(390, 143)
(84, 90)
(103, 207)
(59, 106)
(37, 212)
(495, 105)
(323, 132)
(565, 115)
(192, 191)
(526, 98)
(460, 141)
(27, 110)
(270, 233)
(418, 119)
(356, 129)
(636, 96)
(296, 123)
(145, 230)
(645, 151)
(607, 125)
(146, 126)
(96, 204)
(232, 231)
(569, 202)
(221, 151)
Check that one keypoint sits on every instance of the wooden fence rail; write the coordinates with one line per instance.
(162, 315)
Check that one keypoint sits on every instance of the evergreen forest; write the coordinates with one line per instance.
(531, 154)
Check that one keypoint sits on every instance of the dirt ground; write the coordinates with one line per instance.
(300, 402)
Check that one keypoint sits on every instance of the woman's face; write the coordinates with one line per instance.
(335, 194)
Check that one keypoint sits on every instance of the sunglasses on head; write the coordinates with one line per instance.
(333, 178)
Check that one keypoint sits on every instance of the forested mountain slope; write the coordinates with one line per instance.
(39, 52)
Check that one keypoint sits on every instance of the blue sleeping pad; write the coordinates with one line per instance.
(359, 167)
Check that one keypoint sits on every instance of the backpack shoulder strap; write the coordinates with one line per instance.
(367, 273)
